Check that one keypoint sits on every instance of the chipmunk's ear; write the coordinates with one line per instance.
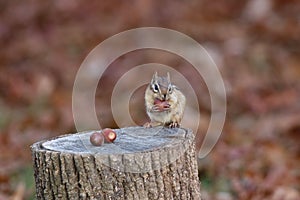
(154, 77)
(168, 77)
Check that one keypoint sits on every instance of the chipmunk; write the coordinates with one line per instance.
(164, 102)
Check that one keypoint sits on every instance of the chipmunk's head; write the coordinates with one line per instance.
(161, 87)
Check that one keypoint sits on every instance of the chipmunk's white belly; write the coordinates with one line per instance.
(162, 117)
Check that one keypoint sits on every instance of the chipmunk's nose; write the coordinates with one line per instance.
(164, 97)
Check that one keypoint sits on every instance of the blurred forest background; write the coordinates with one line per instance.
(255, 43)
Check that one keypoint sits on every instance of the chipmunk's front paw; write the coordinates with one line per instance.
(147, 125)
(174, 125)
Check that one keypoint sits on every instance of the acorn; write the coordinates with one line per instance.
(97, 138)
(109, 135)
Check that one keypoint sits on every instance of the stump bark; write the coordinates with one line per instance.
(154, 163)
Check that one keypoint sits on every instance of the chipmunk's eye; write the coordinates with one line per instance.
(155, 88)
(170, 89)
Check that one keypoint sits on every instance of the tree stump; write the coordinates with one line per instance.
(153, 163)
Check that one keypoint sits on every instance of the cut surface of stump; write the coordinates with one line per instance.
(142, 163)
